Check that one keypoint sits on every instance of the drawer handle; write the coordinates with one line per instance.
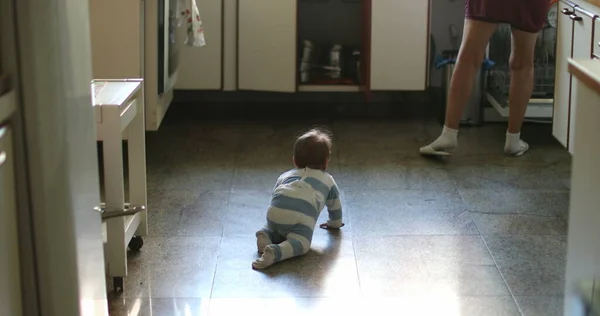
(566, 11)
(3, 158)
(127, 211)
(575, 17)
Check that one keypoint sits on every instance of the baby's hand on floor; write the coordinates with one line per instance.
(326, 226)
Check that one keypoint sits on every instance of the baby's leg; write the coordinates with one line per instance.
(264, 237)
(295, 245)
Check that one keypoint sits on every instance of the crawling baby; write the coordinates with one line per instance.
(298, 198)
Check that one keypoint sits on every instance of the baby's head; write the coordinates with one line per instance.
(312, 150)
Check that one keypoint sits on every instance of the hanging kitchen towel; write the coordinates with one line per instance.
(188, 11)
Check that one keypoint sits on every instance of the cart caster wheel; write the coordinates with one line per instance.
(118, 284)
(136, 243)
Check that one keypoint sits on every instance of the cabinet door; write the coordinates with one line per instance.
(201, 67)
(582, 48)
(267, 45)
(399, 44)
(562, 81)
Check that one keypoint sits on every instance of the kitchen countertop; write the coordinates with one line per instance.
(587, 71)
(593, 5)
(594, 2)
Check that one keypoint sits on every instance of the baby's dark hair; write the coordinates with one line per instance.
(313, 149)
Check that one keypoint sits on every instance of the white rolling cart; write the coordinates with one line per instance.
(119, 109)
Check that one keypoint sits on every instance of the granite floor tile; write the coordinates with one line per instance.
(246, 212)
(408, 305)
(271, 140)
(162, 200)
(465, 280)
(390, 266)
(258, 176)
(298, 306)
(516, 201)
(492, 306)
(385, 132)
(453, 250)
(420, 265)
(408, 212)
(328, 270)
(159, 307)
(540, 305)
(496, 177)
(170, 267)
(461, 265)
(445, 304)
(193, 150)
(393, 175)
(531, 265)
(164, 209)
(198, 175)
(188, 214)
(508, 224)
(266, 151)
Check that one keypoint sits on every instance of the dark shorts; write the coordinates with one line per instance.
(525, 15)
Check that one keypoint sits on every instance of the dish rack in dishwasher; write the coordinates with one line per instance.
(498, 81)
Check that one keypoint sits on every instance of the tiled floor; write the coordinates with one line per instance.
(476, 234)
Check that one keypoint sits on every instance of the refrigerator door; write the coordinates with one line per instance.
(10, 287)
(61, 159)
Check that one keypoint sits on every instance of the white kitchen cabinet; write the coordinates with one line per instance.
(576, 26)
(267, 45)
(582, 48)
(379, 50)
(562, 85)
(202, 68)
(399, 44)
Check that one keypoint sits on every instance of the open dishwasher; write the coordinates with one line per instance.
(498, 81)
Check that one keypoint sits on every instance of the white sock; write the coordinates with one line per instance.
(266, 260)
(514, 145)
(446, 141)
(262, 240)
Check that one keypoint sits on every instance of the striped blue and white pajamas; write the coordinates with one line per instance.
(298, 198)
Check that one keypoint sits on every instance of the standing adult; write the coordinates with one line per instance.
(526, 17)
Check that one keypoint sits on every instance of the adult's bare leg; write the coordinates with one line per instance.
(521, 87)
(476, 35)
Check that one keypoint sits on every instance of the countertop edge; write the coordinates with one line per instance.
(586, 5)
(587, 71)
